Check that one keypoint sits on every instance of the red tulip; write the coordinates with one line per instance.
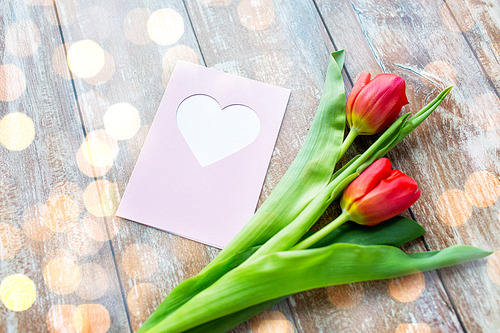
(374, 105)
(378, 194)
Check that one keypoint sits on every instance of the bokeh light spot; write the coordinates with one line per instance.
(12, 82)
(22, 38)
(407, 288)
(165, 26)
(440, 73)
(256, 14)
(60, 61)
(101, 229)
(122, 121)
(10, 241)
(17, 292)
(92, 318)
(453, 208)
(33, 225)
(97, 153)
(174, 54)
(61, 275)
(85, 58)
(101, 198)
(135, 26)
(80, 243)
(482, 188)
(270, 322)
(493, 267)
(106, 73)
(94, 282)
(413, 328)
(60, 319)
(60, 213)
(346, 296)
(17, 131)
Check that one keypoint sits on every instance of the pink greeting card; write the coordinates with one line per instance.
(204, 161)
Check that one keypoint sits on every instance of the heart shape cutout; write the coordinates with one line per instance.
(213, 133)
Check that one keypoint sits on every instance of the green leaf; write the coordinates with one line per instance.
(394, 232)
(285, 273)
(418, 118)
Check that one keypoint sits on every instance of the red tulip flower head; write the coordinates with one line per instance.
(378, 194)
(374, 105)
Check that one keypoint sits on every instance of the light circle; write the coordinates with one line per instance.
(10, 241)
(17, 292)
(122, 121)
(22, 38)
(12, 82)
(85, 58)
(453, 207)
(61, 275)
(165, 26)
(135, 26)
(17, 131)
(98, 153)
(101, 198)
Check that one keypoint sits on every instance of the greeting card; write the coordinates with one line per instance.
(203, 164)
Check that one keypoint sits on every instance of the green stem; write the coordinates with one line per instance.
(353, 134)
(317, 236)
(289, 235)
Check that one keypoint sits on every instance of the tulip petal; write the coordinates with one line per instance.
(388, 199)
(379, 103)
(361, 82)
(366, 181)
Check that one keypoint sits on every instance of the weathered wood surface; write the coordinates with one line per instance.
(64, 168)
(41, 194)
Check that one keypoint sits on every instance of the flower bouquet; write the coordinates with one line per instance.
(276, 255)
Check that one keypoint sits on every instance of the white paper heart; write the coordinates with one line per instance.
(213, 133)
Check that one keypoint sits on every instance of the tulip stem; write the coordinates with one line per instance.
(317, 236)
(353, 134)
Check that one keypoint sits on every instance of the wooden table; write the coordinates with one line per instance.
(68, 265)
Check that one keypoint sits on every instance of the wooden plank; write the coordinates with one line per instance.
(117, 101)
(453, 155)
(42, 193)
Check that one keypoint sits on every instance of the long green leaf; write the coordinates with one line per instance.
(286, 273)
(394, 232)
